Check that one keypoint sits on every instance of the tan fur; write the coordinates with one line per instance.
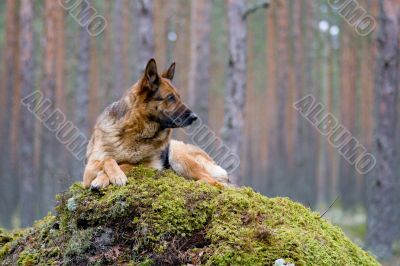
(192, 162)
(129, 132)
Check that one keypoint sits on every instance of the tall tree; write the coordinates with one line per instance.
(309, 187)
(382, 199)
(94, 90)
(217, 65)
(160, 31)
(82, 94)
(235, 91)
(179, 47)
(145, 45)
(28, 177)
(9, 90)
(118, 35)
(200, 57)
(60, 58)
(367, 86)
(347, 173)
(51, 149)
(298, 168)
(127, 43)
(60, 86)
(282, 95)
(271, 97)
(83, 82)
(106, 70)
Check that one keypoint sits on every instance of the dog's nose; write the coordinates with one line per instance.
(193, 117)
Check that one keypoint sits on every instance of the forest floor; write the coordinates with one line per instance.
(354, 226)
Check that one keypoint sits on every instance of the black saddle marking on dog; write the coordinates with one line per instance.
(165, 157)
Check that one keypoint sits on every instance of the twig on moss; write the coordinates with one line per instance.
(330, 206)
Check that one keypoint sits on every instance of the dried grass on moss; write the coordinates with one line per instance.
(161, 219)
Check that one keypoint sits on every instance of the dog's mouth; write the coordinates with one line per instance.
(184, 119)
(187, 119)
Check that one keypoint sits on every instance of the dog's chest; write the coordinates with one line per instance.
(134, 149)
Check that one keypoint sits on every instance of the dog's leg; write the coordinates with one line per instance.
(101, 181)
(126, 167)
(114, 172)
(91, 170)
(205, 177)
(190, 168)
(192, 162)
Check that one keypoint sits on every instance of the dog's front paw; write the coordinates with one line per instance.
(212, 183)
(119, 180)
(101, 181)
(218, 185)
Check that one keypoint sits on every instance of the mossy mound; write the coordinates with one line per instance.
(164, 219)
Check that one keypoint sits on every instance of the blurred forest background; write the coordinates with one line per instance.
(293, 48)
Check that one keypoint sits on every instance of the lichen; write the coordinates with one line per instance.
(161, 218)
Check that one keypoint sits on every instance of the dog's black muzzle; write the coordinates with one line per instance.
(179, 119)
(185, 119)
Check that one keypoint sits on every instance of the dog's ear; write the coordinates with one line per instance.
(170, 72)
(150, 73)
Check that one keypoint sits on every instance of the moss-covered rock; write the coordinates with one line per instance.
(161, 219)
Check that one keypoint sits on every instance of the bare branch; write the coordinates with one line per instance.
(253, 7)
(330, 206)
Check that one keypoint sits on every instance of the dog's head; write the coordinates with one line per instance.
(161, 99)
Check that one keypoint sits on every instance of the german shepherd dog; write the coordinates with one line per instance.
(137, 130)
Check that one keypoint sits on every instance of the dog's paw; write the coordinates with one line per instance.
(119, 180)
(212, 183)
(218, 185)
(99, 182)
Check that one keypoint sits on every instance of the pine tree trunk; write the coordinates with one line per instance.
(9, 91)
(382, 199)
(106, 70)
(94, 91)
(50, 153)
(309, 187)
(82, 95)
(282, 93)
(200, 58)
(61, 99)
(145, 45)
(235, 91)
(299, 160)
(271, 102)
(83, 82)
(161, 31)
(29, 178)
(118, 35)
(50, 159)
(347, 173)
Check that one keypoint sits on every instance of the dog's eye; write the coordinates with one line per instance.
(171, 98)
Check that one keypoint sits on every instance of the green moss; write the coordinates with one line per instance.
(28, 258)
(7, 241)
(78, 245)
(161, 218)
(5, 237)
